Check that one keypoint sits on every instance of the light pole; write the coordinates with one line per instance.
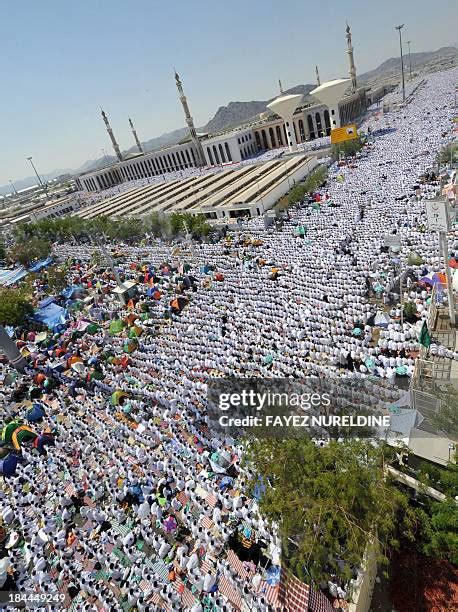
(410, 60)
(14, 187)
(38, 177)
(399, 28)
(260, 196)
(287, 173)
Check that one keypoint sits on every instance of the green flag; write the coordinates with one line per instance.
(425, 338)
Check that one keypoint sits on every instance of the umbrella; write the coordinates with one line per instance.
(72, 360)
(9, 379)
(414, 259)
(170, 524)
(356, 331)
(8, 465)
(401, 370)
(226, 482)
(44, 439)
(118, 398)
(369, 363)
(179, 303)
(273, 575)
(116, 327)
(78, 367)
(22, 434)
(35, 414)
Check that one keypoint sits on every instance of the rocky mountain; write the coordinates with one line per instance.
(237, 113)
(391, 67)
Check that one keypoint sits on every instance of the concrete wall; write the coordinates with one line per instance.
(364, 585)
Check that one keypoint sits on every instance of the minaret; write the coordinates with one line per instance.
(199, 150)
(135, 136)
(352, 71)
(318, 82)
(281, 87)
(112, 138)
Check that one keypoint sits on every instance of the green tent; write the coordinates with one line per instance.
(116, 327)
(92, 329)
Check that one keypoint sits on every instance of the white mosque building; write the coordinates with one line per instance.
(270, 131)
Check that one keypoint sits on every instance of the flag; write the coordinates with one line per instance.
(425, 338)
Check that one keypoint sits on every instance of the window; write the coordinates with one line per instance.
(228, 152)
(272, 138)
(221, 152)
(319, 127)
(301, 130)
(279, 137)
(327, 122)
(215, 153)
(210, 156)
(258, 140)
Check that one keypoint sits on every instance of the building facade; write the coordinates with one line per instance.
(309, 122)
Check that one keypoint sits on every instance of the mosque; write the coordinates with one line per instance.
(270, 131)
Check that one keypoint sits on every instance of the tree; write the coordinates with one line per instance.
(329, 502)
(296, 194)
(448, 154)
(315, 179)
(439, 520)
(440, 531)
(2, 251)
(57, 279)
(29, 251)
(349, 148)
(15, 306)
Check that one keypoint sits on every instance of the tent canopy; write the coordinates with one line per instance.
(51, 315)
(39, 265)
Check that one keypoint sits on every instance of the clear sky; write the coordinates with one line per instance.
(61, 61)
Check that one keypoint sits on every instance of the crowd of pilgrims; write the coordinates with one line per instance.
(138, 504)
